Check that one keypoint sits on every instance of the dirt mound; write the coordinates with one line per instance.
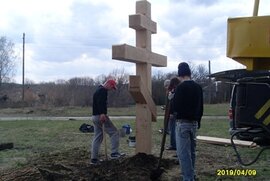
(74, 165)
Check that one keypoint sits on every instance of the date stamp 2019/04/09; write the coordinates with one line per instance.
(236, 172)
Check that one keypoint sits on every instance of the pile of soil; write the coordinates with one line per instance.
(74, 165)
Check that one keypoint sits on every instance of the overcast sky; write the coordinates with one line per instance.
(73, 38)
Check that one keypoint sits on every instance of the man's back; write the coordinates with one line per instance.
(100, 101)
(188, 101)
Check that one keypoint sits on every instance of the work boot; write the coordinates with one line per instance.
(170, 148)
(95, 161)
(117, 155)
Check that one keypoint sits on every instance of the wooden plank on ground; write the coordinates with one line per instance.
(224, 141)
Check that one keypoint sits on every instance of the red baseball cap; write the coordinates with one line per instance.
(112, 83)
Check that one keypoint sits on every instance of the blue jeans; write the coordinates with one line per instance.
(186, 147)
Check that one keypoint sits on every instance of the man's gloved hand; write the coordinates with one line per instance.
(102, 118)
(199, 125)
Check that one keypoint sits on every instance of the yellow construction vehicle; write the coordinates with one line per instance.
(248, 42)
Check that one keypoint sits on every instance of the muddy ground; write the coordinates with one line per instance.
(74, 165)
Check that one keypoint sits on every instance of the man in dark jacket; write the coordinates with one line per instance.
(188, 105)
(100, 117)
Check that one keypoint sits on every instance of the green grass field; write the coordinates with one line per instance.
(209, 109)
(33, 138)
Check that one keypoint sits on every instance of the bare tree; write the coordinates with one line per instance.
(100, 79)
(120, 75)
(29, 82)
(200, 74)
(79, 89)
(158, 90)
(7, 59)
(81, 81)
(120, 97)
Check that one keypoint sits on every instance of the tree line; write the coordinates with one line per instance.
(78, 91)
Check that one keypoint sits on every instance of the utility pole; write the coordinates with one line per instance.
(209, 68)
(23, 68)
(209, 84)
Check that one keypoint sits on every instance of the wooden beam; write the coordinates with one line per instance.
(141, 94)
(141, 22)
(223, 141)
(143, 7)
(143, 129)
(133, 54)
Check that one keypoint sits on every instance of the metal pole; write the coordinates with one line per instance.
(256, 7)
(23, 68)
(209, 68)
(209, 84)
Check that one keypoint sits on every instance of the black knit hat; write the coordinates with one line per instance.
(183, 69)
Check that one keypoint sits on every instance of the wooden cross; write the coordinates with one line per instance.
(140, 85)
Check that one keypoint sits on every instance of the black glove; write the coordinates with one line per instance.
(199, 124)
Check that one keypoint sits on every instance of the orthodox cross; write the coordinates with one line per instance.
(140, 84)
